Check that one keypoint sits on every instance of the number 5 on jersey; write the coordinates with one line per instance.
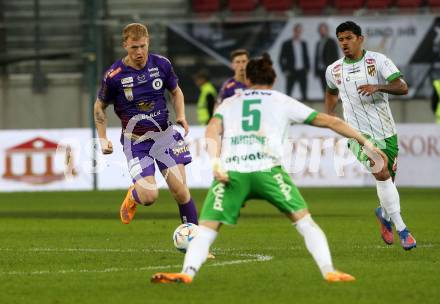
(251, 115)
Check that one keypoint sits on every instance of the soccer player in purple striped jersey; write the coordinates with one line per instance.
(239, 60)
(135, 85)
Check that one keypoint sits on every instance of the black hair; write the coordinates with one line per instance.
(260, 70)
(349, 26)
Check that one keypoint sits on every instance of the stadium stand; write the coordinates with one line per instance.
(277, 5)
(348, 4)
(408, 4)
(378, 4)
(242, 5)
(312, 6)
(434, 3)
(60, 32)
(205, 6)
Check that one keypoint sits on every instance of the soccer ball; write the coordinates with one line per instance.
(183, 235)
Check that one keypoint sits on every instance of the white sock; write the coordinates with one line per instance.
(316, 243)
(385, 214)
(390, 201)
(198, 250)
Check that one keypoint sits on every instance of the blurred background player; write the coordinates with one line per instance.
(294, 61)
(363, 80)
(254, 124)
(207, 96)
(136, 85)
(239, 60)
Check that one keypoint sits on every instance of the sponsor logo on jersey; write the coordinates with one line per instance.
(370, 61)
(128, 94)
(218, 191)
(127, 80)
(145, 106)
(371, 70)
(155, 69)
(157, 84)
(354, 70)
(336, 68)
(156, 74)
(112, 73)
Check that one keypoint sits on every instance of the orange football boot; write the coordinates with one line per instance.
(337, 276)
(128, 207)
(163, 277)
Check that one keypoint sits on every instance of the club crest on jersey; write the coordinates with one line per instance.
(128, 94)
(145, 106)
(371, 70)
(157, 84)
(141, 78)
(127, 80)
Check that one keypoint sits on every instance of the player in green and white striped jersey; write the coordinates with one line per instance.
(363, 79)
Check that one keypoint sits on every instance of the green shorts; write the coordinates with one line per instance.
(388, 145)
(223, 202)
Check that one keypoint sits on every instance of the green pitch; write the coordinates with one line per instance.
(69, 247)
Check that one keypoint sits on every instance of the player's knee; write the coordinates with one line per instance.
(382, 175)
(148, 197)
(181, 195)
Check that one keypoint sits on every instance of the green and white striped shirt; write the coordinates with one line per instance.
(369, 114)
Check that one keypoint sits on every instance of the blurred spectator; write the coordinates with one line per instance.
(207, 96)
(294, 61)
(326, 53)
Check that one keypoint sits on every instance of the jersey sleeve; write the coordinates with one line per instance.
(388, 69)
(223, 92)
(329, 79)
(108, 91)
(298, 112)
(220, 111)
(171, 79)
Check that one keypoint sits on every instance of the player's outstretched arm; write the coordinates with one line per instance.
(395, 87)
(331, 100)
(178, 102)
(101, 126)
(341, 127)
(213, 134)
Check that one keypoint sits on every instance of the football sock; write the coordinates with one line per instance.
(385, 214)
(135, 196)
(390, 201)
(316, 243)
(198, 250)
(188, 212)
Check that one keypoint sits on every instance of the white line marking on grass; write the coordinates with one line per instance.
(249, 258)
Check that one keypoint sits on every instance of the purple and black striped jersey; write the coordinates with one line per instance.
(139, 94)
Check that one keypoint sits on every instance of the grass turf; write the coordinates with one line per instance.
(69, 247)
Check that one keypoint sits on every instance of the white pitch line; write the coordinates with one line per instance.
(252, 258)
(117, 250)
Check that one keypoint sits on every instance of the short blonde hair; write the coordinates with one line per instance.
(134, 31)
